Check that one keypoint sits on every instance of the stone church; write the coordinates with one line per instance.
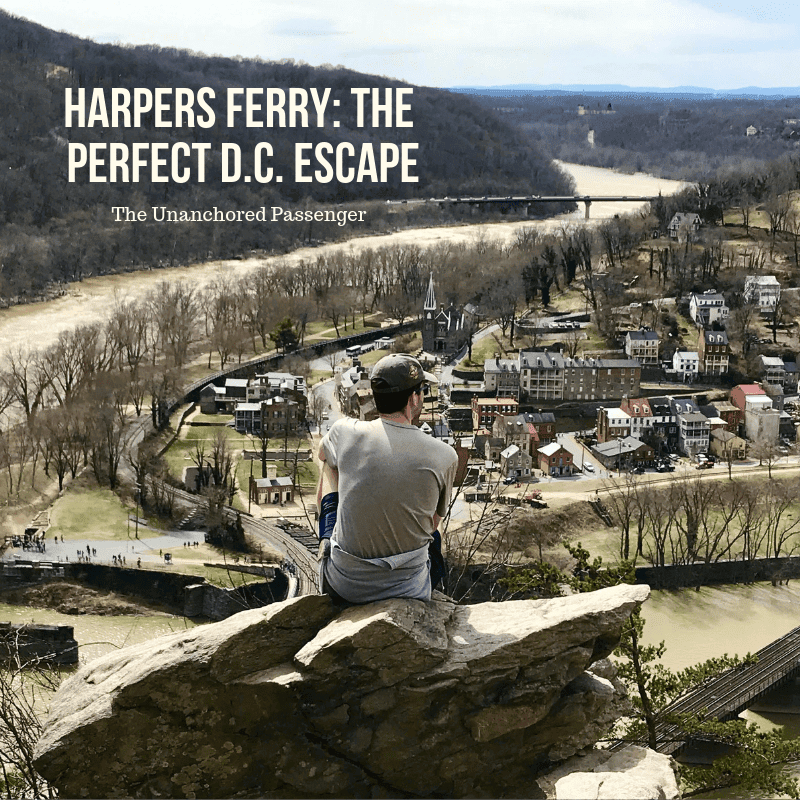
(444, 330)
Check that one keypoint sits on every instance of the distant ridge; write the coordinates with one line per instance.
(618, 88)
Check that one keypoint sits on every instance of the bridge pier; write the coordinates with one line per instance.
(587, 203)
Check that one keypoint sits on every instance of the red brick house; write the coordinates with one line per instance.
(555, 459)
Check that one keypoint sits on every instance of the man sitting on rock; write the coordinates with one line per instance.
(384, 486)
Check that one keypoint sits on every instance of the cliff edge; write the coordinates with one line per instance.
(299, 699)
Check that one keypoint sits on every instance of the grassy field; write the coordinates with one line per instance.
(190, 561)
(89, 513)
(569, 300)
(318, 375)
(324, 328)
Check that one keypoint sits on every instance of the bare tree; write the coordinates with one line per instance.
(767, 450)
(173, 310)
(25, 687)
(622, 498)
(26, 379)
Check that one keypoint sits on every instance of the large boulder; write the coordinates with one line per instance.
(393, 698)
(634, 773)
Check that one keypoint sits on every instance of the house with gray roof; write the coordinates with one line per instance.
(683, 225)
(707, 308)
(642, 345)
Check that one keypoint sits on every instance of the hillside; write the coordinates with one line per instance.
(683, 136)
(57, 230)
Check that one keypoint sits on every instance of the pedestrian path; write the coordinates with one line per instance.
(149, 547)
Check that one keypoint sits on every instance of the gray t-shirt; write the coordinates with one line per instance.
(392, 479)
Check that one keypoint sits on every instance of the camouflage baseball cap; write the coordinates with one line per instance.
(397, 373)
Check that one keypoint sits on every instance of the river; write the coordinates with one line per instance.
(697, 625)
(98, 635)
(90, 300)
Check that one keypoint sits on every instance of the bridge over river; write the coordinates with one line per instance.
(724, 697)
(526, 201)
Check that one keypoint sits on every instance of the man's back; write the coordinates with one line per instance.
(392, 479)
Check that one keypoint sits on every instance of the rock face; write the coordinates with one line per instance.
(301, 700)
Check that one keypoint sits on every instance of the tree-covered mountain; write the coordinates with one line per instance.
(54, 229)
(681, 136)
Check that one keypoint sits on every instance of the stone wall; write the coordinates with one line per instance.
(188, 595)
(52, 644)
(681, 576)
(166, 588)
(301, 699)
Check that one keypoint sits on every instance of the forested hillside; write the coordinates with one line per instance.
(687, 137)
(54, 230)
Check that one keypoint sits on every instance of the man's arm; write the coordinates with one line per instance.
(328, 477)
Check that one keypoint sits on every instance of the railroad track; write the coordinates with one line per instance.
(298, 546)
(723, 697)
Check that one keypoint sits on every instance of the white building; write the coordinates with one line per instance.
(612, 423)
(270, 383)
(772, 369)
(763, 291)
(693, 426)
(515, 463)
(686, 364)
(762, 424)
(707, 308)
(501, 376)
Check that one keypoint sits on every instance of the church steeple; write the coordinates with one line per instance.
(430, 298)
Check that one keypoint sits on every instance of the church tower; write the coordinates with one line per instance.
(429, 319)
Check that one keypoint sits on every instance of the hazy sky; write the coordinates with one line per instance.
(722, 45)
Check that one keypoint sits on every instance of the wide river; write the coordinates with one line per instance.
(90, 300)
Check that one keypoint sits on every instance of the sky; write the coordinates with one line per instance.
(661, 43)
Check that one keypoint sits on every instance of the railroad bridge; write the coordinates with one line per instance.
(725, 696)
(529, 200)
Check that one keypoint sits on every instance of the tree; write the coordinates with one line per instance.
(284, 335)
(26, 379)
(786, 308)
(777, 208)
(767, 450)
(478, 550)
(316, 408)
(741, 325)
(25, 687)
(625, 504)
(111, 437)
(793, 229)
(500, 301)
(173, 309)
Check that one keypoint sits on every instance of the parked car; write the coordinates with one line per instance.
(588, 467)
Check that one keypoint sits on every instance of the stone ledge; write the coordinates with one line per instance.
(391, 698)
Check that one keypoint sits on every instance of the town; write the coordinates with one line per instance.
(603, 282)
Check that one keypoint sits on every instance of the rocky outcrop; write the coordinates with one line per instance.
(396, 698)
(631, 774)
